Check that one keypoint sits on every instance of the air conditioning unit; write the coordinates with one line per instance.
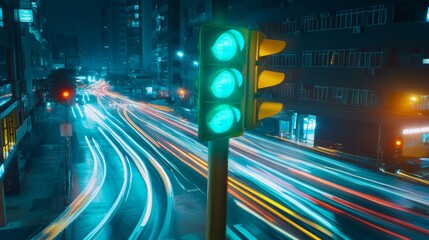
(297, 33)
(357, 29)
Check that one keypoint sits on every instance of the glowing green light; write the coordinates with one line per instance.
(227, 45)
(222, 117)
(225, 81)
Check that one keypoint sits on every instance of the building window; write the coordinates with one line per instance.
(424, 103)
(289, 26)
(286, 90)
(373, 15)
(5, 94)
(349, 18)
(284, 59)
(8, 125)
(1, 17)
(425, 138)
(339, 95)
(132, 8)
(133, 24)
(305, 91)
(321, 22)
(321, 93)
(350, 58)
(3, 63)
(346, 96)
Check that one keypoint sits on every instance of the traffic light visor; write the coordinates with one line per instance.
(225, 82)
(227, 45)
(221, 118)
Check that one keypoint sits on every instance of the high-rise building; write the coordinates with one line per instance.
(356, 73)
(134, 36)
(65, 51)
(192, 15)
(106, 38)
(114, 36)
(165, 45)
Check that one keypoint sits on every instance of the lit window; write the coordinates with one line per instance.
(133, 24)
(1, 17)
(427, 16)
(425, 138)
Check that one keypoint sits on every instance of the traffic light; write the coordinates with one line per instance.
(397, 151)
(223, 70)
(65, 94)
(256, 108)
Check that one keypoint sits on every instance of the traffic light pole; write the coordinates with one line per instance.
(217, 162)
(217, 189)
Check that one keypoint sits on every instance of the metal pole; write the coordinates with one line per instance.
(217, 161)
(217, 189)
(67, 160)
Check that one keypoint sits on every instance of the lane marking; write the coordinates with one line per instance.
(231, 234)
(244, 231)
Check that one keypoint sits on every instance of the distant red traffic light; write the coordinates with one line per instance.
(66, 94)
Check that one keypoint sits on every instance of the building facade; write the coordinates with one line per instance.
(165, 66)
(114, 37)
(356, 73)
(192, 15)
(65, 51)
(24, 58)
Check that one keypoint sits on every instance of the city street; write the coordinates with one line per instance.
(143, 173)
(189, 120)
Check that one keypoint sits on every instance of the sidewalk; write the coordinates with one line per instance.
(42, 190)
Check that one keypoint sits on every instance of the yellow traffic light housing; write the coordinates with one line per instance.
(259, 78)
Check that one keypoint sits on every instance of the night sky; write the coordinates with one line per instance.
(81, 18)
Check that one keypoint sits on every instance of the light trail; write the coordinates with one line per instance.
(81, 202)
(121, 196)
(269, 155)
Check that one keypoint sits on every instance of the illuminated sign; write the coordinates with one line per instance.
(425, 61)
(415, 130)
(25, 15)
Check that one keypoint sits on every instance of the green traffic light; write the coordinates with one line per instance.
(222, 117)
(227, 45)
(225, 81)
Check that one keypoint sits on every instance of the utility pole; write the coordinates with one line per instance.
(66, 131)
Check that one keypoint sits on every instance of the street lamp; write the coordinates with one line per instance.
(414, 103)
(180, 54)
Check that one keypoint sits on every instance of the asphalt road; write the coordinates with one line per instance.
(147, 178)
